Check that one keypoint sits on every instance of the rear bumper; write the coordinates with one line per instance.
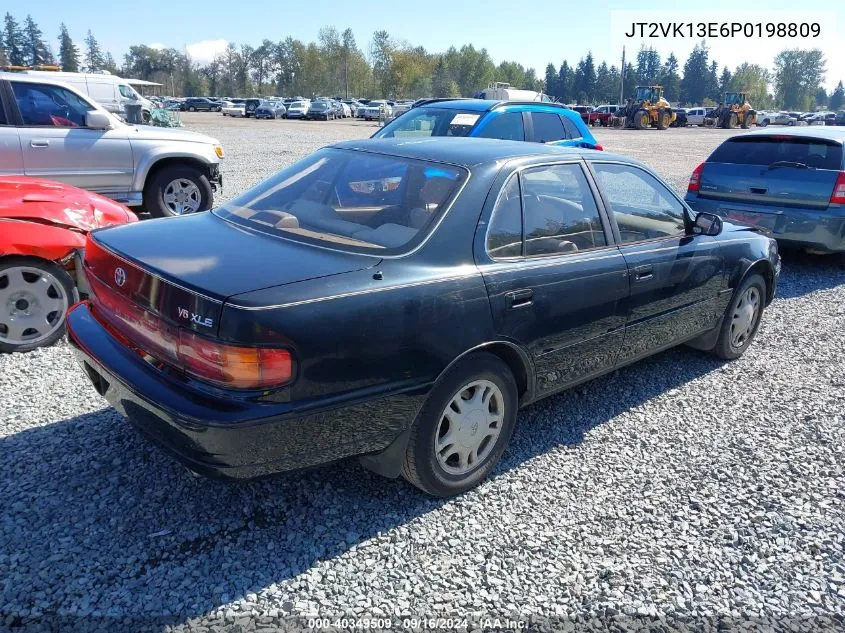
(820, 230)
(229, 437)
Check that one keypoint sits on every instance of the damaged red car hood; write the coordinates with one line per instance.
(57, 204)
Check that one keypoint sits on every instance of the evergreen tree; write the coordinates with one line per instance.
(442, 84)
(630, 81)
(724, 81)
(670, 80)
(694, 82)
(837, 98)
(584, 84)
(36, 50)
(94, 59)
(68, 52)
(712, 84)
(551, 81)
(605, 85)
(565, 77)
(648, 66)
(14, 41)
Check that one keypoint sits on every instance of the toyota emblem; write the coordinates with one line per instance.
(119, 276)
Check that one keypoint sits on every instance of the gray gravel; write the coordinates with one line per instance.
(682, 491)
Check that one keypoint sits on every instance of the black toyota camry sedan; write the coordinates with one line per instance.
(400, 299)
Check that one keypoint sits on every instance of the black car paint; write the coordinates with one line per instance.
(362, 379)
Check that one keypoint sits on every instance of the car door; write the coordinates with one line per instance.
(557, 285)
(56, 145)
(11, 157)
(675, 277)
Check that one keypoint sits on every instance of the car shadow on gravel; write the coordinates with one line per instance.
(97, 519)
(802, 273)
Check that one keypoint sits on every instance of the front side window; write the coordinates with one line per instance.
(643, 207)
(505, 126)
(430, 122)
(547, 127)
(350, 200)
(560, 213)
(50, 106)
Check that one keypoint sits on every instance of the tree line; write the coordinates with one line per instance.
(336, 65)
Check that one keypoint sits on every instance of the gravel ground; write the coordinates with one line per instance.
(681, 491)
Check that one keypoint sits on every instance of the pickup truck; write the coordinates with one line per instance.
(55, 132)
(601, 115)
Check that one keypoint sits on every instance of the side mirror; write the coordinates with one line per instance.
(707, 224)
(97, 121)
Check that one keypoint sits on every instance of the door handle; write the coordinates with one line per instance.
(519, 298)
(39, 143)
(644, 272)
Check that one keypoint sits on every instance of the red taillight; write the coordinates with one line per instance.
(695, 179)
(214, 362)
(598, 147)
(838, 195)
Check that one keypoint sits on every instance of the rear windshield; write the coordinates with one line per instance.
(766, 150)
(350, 200)
(431, 122)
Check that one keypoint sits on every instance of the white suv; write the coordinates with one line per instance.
(51, 130)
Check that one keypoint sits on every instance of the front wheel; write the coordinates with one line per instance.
(463, 428)
(742, 318)
(178, 190)
(35, 295)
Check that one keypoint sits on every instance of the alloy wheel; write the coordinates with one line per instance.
(182, 196)
(33, 304)
(469, 427)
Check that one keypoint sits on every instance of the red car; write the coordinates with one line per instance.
(43, 226)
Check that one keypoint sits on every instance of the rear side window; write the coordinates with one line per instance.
(506, 126)
(547, 127)
(572, 130)
(768, 150)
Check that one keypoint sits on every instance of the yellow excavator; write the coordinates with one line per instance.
(734, 110)
(647, 108)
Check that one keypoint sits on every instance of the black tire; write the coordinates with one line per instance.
(763, 123)
(421, 467)
(640, 119)
(732, 120)
(663, 119)
(66, 285)
(791, 122)
(146, 116)
(154, 189)
(725, 346)
(746, 120)
(192, 109)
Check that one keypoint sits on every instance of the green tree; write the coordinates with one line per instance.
(381, 53)
(94, 59)
(442, 84)
(584, 84)
(724, 81)
(670, 80)
(629, 81)
(68, 52)
(712, 83)
(694, 82)
(837, 97)
(754, 80)
(820, 99)
(37, 50)
(798, 75)
(13, 38)
(648, 66)
(551, 81)
(565, 79)
(605, 85)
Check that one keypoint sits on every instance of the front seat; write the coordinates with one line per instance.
(432, 194)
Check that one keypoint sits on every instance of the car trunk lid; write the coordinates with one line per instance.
(186, 281)
(782, 170)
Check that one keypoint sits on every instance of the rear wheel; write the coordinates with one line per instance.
(178, 190)
(35, 295)
(192, 109)
(732, 120)
(463, 428)
(742, 318)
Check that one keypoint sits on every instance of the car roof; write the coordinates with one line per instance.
(469, 152)
(832, 133)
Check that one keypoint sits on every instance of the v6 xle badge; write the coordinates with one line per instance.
(187, 315)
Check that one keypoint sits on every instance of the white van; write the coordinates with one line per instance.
(110, 91)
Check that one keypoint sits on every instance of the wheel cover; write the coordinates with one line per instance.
(182, 196)
(33, 304)
(469, 427)
(744, 316)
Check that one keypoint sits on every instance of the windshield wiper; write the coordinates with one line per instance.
(788, 163)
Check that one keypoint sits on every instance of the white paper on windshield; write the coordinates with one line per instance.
(465, 119)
